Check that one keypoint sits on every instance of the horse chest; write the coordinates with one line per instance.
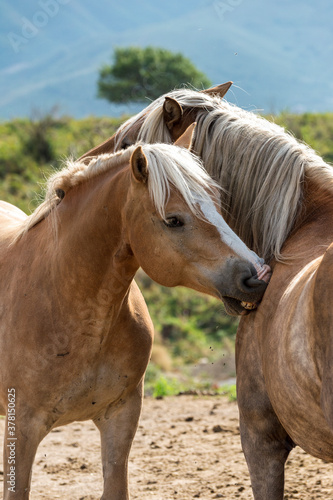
(81, 375)
(82, 390)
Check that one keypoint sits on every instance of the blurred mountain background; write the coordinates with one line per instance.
(279, 54)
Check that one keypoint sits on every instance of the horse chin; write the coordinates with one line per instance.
(236, 307)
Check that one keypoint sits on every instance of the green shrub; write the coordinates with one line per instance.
(229, 391)
(165, 386)
(158, 384)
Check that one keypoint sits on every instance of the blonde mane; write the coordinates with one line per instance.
(168, 165)
(261, 168)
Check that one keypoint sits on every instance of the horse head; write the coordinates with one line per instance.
(177, 118)
(177, 233)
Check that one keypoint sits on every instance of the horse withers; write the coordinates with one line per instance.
(75, 332)
(278, 198)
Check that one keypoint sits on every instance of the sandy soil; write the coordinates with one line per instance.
(186, 447)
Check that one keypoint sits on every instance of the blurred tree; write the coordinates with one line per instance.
(37, 142)
(140, 73)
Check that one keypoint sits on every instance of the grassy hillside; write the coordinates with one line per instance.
(31, 149)
(316, 129)
(191, 329)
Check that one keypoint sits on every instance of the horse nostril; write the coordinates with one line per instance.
(248, 284)
(241, 282)
(248, 278)
(253, 282)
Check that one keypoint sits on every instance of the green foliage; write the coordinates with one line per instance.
(31, 149)
(158, 384)
(229, 391)
(137, 74)
(36, 141)
(166, 387)
(315, 129)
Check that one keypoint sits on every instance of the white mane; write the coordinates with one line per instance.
(173, 166)
(168, 166)
(261, 168)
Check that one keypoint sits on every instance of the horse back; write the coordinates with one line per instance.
(10, 212)
(11, 218)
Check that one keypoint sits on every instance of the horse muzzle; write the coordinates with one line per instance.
(242, 286)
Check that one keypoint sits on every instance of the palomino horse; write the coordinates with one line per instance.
(279, 200)
(75, 331)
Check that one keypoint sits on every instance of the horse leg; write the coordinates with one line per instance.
(117, 427)
(266, 447)
(265, 443)
(23, 433)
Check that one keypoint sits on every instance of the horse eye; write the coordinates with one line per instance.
(173, 222)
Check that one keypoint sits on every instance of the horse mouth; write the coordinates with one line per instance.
(249, 305)
(246, 287)
(236, 307)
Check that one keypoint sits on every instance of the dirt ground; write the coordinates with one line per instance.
(186, 447)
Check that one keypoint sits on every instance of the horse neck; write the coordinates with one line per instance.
(313, 229)
(90, 253)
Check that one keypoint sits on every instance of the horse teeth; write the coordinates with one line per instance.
(248, 305)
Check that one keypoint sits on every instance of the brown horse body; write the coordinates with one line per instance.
(279, 199)
(284, 360)
(75, 333)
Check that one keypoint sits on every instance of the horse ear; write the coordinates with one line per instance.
(186, 139)
(220, 90)
(172, 112)
(139, 165)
